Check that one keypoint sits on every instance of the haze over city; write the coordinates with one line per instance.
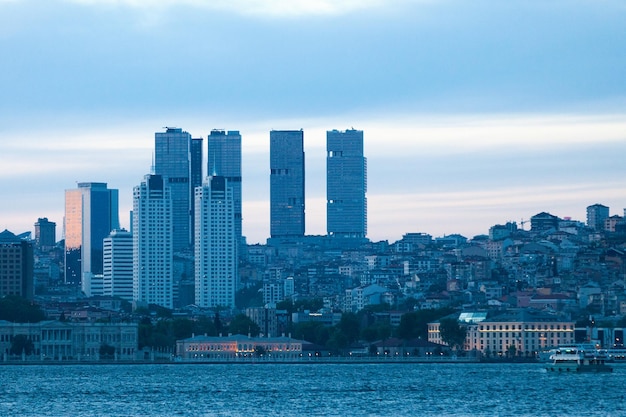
(473, 114)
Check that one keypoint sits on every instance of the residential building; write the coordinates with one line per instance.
(346, 184)
(45, 234)
(91, 212)
(216, 263)
(16, 266)
(118, 265)
(224, 159)
(287, 183)
(173, 162)
(596, 215)
(153, 242)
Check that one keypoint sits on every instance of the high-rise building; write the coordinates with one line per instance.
(596, 215)
(195, 178)
(286, 183)
(173, 156)
(346, 184)
(153, 242)
(118, 265)
(16, 266)
(216, 271)
(45, 234)
(224, 160)
(91, 212)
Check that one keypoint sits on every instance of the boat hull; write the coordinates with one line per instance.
(578, 368)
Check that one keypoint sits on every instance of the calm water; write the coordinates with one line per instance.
(308, 390)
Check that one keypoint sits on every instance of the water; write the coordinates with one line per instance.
(308, 390)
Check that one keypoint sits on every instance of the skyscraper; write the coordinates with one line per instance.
(346, 184)
(224, 160)
(216, 273)
(173, 161)
(286, 183)
(153, 242)
(16, 267)
(118, 265)
(45, 234)
(91, 212)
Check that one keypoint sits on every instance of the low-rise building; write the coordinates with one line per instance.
(199, 348)
(56, 340)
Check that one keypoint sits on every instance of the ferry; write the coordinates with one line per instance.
(545, 356)
(578, 360)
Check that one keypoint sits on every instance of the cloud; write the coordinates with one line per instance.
(272, 8)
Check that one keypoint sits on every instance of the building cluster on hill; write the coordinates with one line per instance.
(518, 289)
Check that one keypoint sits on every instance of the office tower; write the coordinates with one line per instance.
(195, 178)
(346, 184)
(153, 242)
(216, 271)
(16, 266)
(286, 183)
(118, 265)
(45, 234)
(91, 212)
(596, 215)
(173, 162)
(224, 160)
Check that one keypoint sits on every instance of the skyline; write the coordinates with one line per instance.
(472, 115)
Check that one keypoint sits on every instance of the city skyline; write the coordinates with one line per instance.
(480, 113)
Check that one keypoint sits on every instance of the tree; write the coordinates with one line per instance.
(242, 324)
(107, 351)
(21, 344)
(349, 327)
(16, 309)
(452, 333)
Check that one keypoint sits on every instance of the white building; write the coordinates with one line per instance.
(152, 243)
(216, 271)
(118, 265)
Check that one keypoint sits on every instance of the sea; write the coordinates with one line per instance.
(318, 389)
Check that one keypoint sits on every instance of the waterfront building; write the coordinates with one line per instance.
(153, 242)
(346, 184)
(118, 265)
(45, 234)
(55, 340)
(216, 263)
(173, 159)
(287, 183)
(596, 215)
(91, 212)
(199, 348)
(16, 266)
(517, 332)
(224, 160)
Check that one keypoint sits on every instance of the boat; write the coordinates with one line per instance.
(578, 360)
(545, 356)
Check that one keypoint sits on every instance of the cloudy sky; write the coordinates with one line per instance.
(474, 112)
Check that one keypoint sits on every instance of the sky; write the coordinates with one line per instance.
(474, 113)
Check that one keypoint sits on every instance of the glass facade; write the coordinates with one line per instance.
(224, 159)
(346, 184)
(173, 162)
(286, 183)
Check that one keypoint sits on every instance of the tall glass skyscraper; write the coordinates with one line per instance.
(224, 160)
(91, 212)
(346, 184)
(286, 183)
(175, 162)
